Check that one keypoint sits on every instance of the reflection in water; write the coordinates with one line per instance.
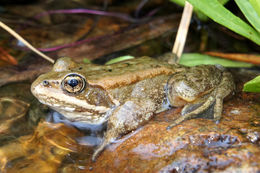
(45, 150)
(93, 133)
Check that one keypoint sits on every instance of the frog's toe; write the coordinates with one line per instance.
(99, 150)
(109, 137)
(190, 108)
(218, 108)
(193, 110)
(170, 126)
(181, 119)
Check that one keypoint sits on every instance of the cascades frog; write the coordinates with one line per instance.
(127, 94)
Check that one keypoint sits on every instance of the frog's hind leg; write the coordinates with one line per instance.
(194, 113)
(226, 87)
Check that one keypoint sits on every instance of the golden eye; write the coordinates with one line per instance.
(73, 83)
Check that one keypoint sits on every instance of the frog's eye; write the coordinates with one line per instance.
(73, 83)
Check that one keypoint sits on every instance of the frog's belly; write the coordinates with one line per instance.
(85, 117)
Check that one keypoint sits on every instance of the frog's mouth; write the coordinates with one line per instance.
(55, 98)
(73, 109)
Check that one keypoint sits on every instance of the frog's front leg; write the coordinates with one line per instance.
(199, 89)
(125, 118)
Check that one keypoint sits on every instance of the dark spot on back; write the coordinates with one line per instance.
(157, 66)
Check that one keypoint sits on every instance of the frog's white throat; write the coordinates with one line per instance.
(85, 117)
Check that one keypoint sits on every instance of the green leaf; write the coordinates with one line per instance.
(182, 2)
(86, 61)
(179, 2)
(200, 15)
(217, 12)
(250, 13)
(223, 2)
(256, 5)
(253, 85)
(192, 59)
(118, 59)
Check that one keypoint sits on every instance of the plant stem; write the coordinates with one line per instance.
(26, 43)
(182, 31)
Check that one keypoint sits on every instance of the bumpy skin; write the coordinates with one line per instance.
(127, 94)
(196, 91)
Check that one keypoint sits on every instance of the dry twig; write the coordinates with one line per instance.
(26, 43)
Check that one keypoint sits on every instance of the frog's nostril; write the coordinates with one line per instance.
(45, 83)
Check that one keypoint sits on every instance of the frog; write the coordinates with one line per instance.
(126, 95)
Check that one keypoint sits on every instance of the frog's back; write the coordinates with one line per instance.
(127, 72)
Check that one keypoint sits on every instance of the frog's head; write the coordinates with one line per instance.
(66, 90)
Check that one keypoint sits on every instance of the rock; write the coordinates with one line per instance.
(197, 145)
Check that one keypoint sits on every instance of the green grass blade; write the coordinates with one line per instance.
(192, 59)
(256, 5)
(249, 12)
(223, 2)
(200, 15)
(182, 2)
(217, 12)
(253, 85)
(179, 2)
(118, 59)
